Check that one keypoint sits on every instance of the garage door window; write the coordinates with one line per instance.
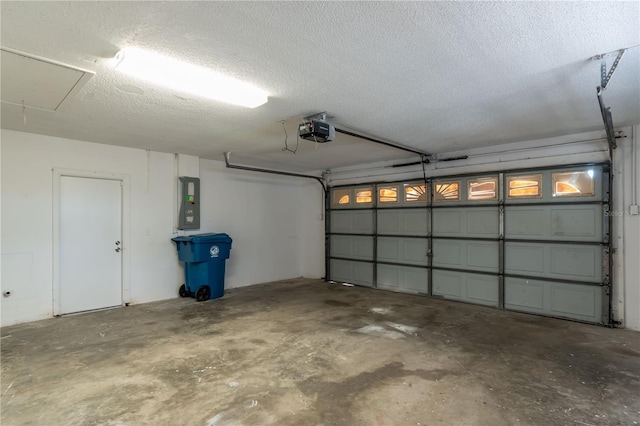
(364, 196)
(529, 186)
(573, 184)
(388, 194)
(415, 193)
(447, 191)
(482, 189)
(341, 197)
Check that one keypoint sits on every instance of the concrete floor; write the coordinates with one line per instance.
(305, 352)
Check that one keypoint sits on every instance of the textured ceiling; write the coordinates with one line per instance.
(437, 76)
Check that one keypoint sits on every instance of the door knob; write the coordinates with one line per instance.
(117, 243)
(118, 250)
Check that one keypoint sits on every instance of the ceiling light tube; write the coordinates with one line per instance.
(188, 78)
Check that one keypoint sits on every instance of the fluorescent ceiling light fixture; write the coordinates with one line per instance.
(188, 78)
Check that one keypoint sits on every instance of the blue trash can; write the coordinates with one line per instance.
(204, 257)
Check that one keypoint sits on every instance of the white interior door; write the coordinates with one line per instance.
(90, 244)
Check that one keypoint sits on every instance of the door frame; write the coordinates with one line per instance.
(124, 180)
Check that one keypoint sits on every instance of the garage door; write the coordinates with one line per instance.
(466, 234)
(531, 241)
(402, 237)
(556, 243)
(351, 240)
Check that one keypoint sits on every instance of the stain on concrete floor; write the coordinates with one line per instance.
(294, 353)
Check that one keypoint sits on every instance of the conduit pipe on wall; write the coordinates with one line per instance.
(635, 136)
(325, 192)
(227, 156)
(175, 193)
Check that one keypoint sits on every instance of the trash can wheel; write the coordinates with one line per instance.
(203, 293)
(183, 291)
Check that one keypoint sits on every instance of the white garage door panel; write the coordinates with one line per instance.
(447, 253)
(340, 270)
(352, 222)
(524, 222)
(561, 261)
(563, 222)
(464, 286)
(523, 294)
(471, 255)
(482, 255)
(481, 222)
(403, 250)
(341, 221)
(403, 222)
(352, 247)
(577, 223)
(362, 273)
(466, 222)
(352, 271)
(403, 278)
(577, 301)
(389, 277)
(447, 222)
(415, 280)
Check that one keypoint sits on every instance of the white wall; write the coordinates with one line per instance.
(312, 228)
(27, 218)
(627, 231)
(264, 215)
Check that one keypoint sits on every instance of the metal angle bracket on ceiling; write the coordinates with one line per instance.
(319, 116)
(605, 77)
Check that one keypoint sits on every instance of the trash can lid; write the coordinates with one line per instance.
(205, 238)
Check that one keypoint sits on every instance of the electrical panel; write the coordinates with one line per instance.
(189, 217)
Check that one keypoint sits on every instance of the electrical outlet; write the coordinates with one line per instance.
(633, 210)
